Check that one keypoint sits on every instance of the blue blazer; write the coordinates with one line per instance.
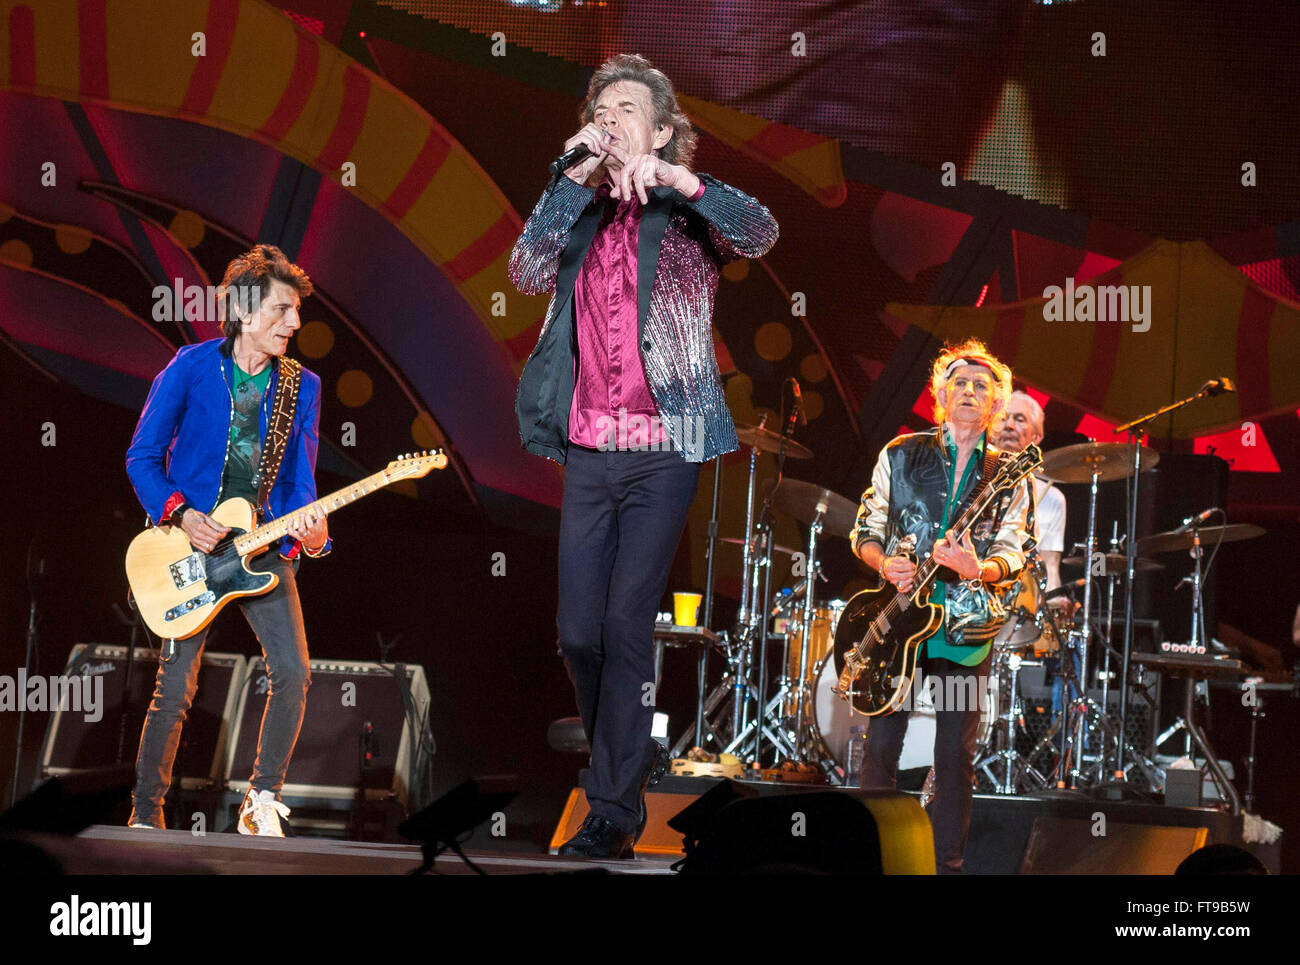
(181, 439)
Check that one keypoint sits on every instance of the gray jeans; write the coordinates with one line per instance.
(276, 618)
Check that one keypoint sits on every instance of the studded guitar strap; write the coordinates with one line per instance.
(277, 433)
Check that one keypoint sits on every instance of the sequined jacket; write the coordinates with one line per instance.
(909, 489)
(681, 246)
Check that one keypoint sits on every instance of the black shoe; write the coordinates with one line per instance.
(598, 838)
(659, 764)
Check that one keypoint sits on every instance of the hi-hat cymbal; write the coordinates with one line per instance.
(1118, 563)
(1110, 460)
(765, 440)
(801, 500)
(1210, 536)
(776, 547)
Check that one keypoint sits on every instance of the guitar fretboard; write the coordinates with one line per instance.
(279, 528)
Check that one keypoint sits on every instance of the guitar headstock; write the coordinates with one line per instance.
(1014, 470)
(414, 465)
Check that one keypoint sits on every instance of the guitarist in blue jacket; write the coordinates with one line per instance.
(204, 436)
(920, 485)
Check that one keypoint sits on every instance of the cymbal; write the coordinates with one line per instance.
(1210, 535)
(1111, 460)
(1118, 563)
(765, 440)
(800, 499)
(776, 547)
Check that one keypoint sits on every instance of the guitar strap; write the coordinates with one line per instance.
(277, 431)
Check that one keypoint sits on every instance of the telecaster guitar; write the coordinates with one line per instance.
(880, 632)
(179, 589)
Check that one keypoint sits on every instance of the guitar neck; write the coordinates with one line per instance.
(983, 496)
(277, 529)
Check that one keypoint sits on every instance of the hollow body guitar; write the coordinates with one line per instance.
(879, 635)
(179, 590)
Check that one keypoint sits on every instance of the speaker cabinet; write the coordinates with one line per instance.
(356, 733)
(74, 745)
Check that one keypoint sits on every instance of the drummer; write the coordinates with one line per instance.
(1019, 424)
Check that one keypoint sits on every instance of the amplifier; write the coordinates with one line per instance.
(1036, 697)
(73, 745)
(356, 735)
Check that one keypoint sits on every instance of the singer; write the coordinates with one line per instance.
(630, 242)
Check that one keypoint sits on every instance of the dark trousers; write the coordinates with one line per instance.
(276, 618)
(620, 523)
(954, 757)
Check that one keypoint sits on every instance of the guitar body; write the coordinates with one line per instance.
(884, 652)
(178, 589)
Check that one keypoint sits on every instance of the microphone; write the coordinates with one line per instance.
(575, 155)
(1065, 589)
(1217, 387)
(1196, 520)
(797, 412)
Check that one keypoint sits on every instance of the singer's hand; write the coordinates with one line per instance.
(591, 171)
(641, 172)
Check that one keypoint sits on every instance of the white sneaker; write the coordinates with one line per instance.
(260, 814)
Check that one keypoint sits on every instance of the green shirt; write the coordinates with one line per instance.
(937, 645)
(244, 447)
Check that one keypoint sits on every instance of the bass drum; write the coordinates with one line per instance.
(837, 723)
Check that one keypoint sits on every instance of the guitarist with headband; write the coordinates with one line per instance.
(230, 417)
(921, 484)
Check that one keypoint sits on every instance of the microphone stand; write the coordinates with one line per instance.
(707, 615)
(35, 580)
(1133, 429)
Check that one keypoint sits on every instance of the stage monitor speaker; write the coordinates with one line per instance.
(739, 827)
(1075, 846)
(74, 745)
(354, 708)
(658, 838)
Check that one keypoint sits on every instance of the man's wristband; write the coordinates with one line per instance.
(178, 514)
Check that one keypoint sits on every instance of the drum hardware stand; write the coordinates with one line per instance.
(803, 703)
(744, 617)
(1210, 389)
(1080, 711)
(1003, 736)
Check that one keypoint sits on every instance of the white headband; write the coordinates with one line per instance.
(955, 364)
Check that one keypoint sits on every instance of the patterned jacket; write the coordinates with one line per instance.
(681, 246)
(909, 489)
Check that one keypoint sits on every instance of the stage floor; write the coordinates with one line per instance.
(101, 849)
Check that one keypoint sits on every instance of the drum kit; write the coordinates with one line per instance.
(804, 731)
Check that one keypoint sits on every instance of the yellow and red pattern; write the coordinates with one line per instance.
(809, 161)
(1207, 319)
(312, 103)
